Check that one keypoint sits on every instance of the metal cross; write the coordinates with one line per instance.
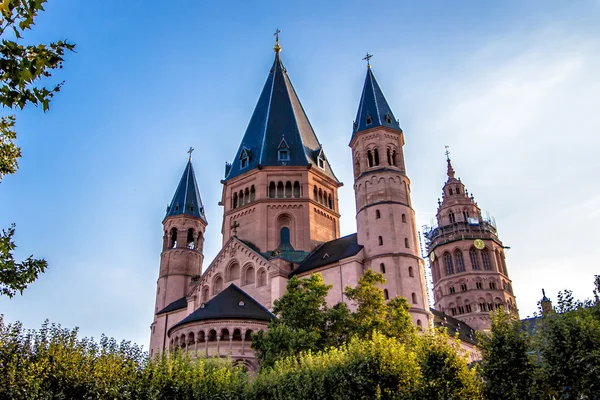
(276, 34)
(447, 152)
(368, 59)
(190, 151)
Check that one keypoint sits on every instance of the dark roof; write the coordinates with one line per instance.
(187, 196)
(529, 324)
(330, 252)
(226, 305)
(465, 332)
(278, 121)
(176, 305)
(373, 106)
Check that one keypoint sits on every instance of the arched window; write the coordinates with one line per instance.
(394, 158)
(248, 335)
(173, 238)
(389, 157)
(449, 264)
(329, 201)
(218, 285)
(414, 298)
(377, 214)
(356, 166)
(419, 323)
(235, 200)
(404, 218)
(370, 158)
(411, 272)
(205, 294)
(262, 277)
(249, 277)
(380, 241)
(485, 259)
(315, 194)
(382, 268)
(284, 235)
(385, 294)
(376, 156)
(272, 190)
(279, 190)
(474, 259)
(252, 193)
(450, 191)
(296, 189)
(460, 262)
(241, 197)
(465, 216)
(288, 189)
(406, 242)
(321, 196)
(246, 196)
(234, 271)
(451, 216)
(190, 239)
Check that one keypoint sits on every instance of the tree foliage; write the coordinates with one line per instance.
(22, 67)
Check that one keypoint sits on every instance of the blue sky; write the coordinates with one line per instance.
(512, 87)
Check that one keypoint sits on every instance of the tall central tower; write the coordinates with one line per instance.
(280, 182)
(385, 219)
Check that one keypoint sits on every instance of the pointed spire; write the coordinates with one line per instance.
(278, 112)
(187, 196)
(373, 109)
(450, 169)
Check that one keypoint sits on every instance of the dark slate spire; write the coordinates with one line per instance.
(373, 109)
(278, 119)
(187, 197)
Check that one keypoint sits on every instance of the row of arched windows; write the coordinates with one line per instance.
(188, 340)
(452, 216)
(323, 197)
(249, 276)
(455, 262)
(378, 215)
(386, 296)
(373, 157)
(192, 239)
(287, 190)
(411, 272)
(243, 197)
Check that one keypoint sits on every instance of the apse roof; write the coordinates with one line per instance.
(187, 196)
(176, 305)
(231, 303)
(278, 123)
(373, 109)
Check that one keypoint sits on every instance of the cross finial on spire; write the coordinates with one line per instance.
(190, 151)
(447, 152)
(450, 169)
(367, 58)
(277, 47)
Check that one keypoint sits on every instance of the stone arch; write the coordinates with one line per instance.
(285, 219)
(205, 293)
(217, 284)
(261, 277)
(248, 274)
(173, 238)
(232, 271)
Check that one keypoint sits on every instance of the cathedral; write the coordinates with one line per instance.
(281, 219)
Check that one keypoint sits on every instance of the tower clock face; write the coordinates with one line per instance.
(432, 257)
(479, 245)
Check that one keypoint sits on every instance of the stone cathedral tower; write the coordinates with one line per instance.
(181, 257)
(385, 219)
(467, 259)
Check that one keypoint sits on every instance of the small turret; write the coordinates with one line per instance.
(546, 303)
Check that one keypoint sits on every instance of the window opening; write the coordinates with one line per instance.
(380, 241)
(284, 235)
(377, 214)
(382, 268)
(460, 262)
(283, 155)
(449, 264)
(376, 156)
(410, 272)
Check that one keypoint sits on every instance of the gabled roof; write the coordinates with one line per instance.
(187, 196)
(373, 109)
(176, 305)
(231, 303)
(465, 332)
(278, 115)
(330, 252)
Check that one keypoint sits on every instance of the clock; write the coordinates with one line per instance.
(432, 257)
(479, 245)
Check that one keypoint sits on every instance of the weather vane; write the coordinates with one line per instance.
(447, 152)
(277, 47)
(367, 58)
(190, 151)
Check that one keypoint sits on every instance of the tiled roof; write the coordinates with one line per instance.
(231, 303)
(373, 109)
(176, 305)
(187, 196)
(330, 252)
(465, 332)
(278, 122)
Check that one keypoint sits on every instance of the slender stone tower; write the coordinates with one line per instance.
(181, 257)
(467, 259)
(385, 219)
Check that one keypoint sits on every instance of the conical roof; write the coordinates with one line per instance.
(187, 196)
(373, 109)
(278, 123)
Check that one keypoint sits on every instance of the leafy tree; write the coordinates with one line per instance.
(21, 69)
(507, 368)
